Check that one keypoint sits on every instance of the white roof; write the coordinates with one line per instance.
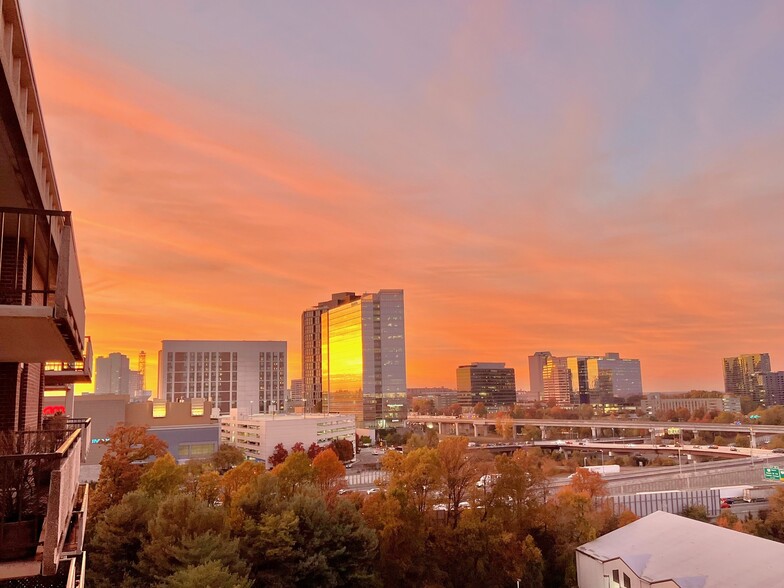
(664, 546)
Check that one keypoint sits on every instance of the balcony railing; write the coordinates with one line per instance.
(42, 509)
(61, 373)
(40, 287)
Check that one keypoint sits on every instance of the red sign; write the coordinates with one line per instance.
(53, 410)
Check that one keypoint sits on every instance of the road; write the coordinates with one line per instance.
(603, 424)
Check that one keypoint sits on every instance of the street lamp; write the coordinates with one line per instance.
(680, 464)
(753, 418)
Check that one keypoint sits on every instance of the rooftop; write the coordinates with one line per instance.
(664, 546)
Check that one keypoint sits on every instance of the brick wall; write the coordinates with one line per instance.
(10, 376)
(21, 385)
(13, 272)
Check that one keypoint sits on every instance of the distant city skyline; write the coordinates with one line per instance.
(534, 176)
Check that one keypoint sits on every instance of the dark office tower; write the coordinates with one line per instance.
(311, 349)
(42, 333)
(739, 374)
(490, 383)
(771, 387)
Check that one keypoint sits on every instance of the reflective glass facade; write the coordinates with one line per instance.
(363, 359)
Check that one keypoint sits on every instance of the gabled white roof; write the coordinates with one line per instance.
(664, 546)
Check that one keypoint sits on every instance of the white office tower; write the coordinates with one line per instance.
(250, 375)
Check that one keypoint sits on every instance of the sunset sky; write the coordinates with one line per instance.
(572, 177)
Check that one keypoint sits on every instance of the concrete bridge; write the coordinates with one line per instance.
(480, 427)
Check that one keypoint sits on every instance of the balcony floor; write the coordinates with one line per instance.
(29, 334)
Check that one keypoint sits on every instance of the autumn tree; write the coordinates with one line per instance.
(279, 455)
(298, 447)
(227, 457)
(454, 410)
(343, 448)
(480, 409)
(328, 471)
(504, 425)
(589, 482)
(164, 477)
(129, 449)
(458, 471)
(314, 450)
(294, 473)
(237, 478)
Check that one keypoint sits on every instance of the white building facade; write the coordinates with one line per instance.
(258, 434)
(250, 375)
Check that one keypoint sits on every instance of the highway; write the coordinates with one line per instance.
(602, 424)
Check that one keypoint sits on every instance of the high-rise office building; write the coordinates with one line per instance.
(739, 374)
(557, 381)
(770, 387)
(250, 375)
(311, 349)
(581, 379)
(612, 376)
(363, 359)
(535, 370)
(112, 374)
(490, 383)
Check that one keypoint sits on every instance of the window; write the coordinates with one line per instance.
(627, 581)
(158, 409)
(616, 579)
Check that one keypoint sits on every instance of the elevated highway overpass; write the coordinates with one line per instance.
(477, 427)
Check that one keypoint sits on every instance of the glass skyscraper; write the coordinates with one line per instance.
(363, 359)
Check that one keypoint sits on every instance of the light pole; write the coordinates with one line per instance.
(680, 464)
(753, 418)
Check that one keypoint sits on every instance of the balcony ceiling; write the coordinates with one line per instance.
(29, 334)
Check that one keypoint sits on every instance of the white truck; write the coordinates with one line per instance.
(731, 491)
(601, 470)
(758, 493)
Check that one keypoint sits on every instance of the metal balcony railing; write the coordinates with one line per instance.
(39, 268)
(60, 373)
(39, 489)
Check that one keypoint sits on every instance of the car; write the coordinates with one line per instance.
(713, 446)
(374, 490)
(733, 448)
(725, 504)
(777, 450)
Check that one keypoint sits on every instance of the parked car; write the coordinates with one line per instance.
(778, 450)
(733, 448)
(713, 446)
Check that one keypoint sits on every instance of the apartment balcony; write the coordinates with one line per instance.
(58, 374)
(41, 297)
(43, 508)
